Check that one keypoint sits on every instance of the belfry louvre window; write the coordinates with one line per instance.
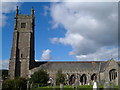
(23, 25)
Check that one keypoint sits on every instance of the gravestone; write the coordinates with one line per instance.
(28, 85)
(106, 86)
(95, 86)
(76, 83)
(54, 85)
(80, 83)
(61, 86)
(112, 86)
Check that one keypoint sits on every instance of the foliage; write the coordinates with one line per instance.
(14, 84)
(20, 83)
(40, 77)
(4, 74)
(60, 77)
(8, 84)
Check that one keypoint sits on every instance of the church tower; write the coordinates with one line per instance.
(22, 51)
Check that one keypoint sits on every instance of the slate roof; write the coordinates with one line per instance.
(75, 66)
(98, 66)
(72, 66)
(103, 65)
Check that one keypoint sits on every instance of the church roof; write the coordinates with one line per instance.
(75, 66)
(79, 66)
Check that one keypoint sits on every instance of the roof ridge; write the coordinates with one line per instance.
(75, 61)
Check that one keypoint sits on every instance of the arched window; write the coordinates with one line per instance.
(83, 79)
(94, 77)
(72, 79)
(112, 74)
(51, 81)
(21, 55)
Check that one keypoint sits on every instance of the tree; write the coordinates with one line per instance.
(15, 84)
(8, 84)
(40, 77)
(60, 77)
(4, 74)
(20, 83)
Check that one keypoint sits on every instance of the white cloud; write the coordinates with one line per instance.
(54, 40)
(46, 10)
(102, 54)
(46, 54)
(3, 20)
(4, 64)
(37, 60)
(7, 7)
(90, 26)
(11, 0)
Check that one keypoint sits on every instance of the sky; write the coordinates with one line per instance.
(66, 31)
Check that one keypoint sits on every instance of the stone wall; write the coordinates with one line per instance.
(101, 76)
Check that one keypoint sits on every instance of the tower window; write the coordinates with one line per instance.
(21, 55)
(23, 25)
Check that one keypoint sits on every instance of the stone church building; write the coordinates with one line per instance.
(22, 61)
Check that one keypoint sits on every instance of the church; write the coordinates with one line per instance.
(22, 63)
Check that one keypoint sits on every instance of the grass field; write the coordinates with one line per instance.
(83, 87)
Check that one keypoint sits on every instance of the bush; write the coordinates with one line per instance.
(4, 74)
(39, 78)
(14, 84)
(60, 77)
(8, 84)
(20, 83)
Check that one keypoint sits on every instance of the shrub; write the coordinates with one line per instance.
(40, 78)
(4, 74)
(20, 83)
(14, 84)
(60, 77)
(8, 84)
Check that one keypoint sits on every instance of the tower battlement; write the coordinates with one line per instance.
(24, 16)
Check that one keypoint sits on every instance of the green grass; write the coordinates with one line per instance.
(83, 87)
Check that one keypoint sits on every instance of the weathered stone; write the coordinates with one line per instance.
(22, 52)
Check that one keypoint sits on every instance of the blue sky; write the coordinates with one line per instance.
(43, 33)
(66, 31)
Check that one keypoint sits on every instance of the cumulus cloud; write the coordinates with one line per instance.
(90, 27)
(7, 6)
(4, 64)
(46, 54)
(102, 54)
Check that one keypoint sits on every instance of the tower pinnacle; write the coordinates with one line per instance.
(32, 11)
(17, 10)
